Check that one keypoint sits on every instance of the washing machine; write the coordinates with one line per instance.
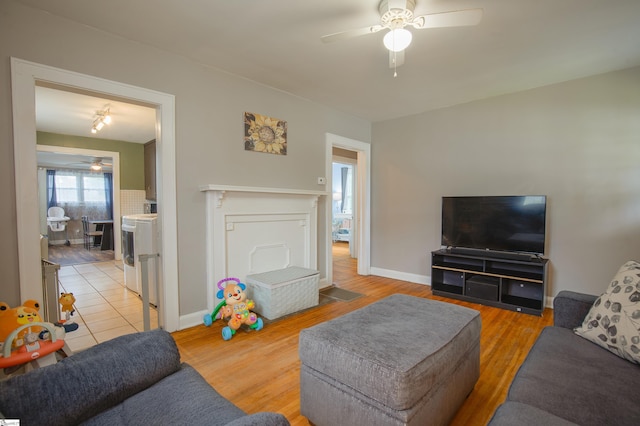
(140, 236)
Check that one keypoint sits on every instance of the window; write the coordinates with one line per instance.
(93, 189)
(343, 188)
(79, 187)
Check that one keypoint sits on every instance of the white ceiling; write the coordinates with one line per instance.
(69, 113)
(72, 161)
(63, 112)
(518, 45)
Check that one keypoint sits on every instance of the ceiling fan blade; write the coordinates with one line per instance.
(344, 35)
(396, 59)
(458, 18)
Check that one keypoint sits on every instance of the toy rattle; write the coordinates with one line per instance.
(235, 307)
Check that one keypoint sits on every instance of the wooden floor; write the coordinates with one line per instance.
(76, 254)
(259, 371)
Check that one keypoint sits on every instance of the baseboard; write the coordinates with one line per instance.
(197, 318)
(403, 276)
(193, 319)
(323, 283)
(549, 302)
(72, 241)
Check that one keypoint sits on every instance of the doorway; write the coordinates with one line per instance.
(358, 155)
(76, 163)
(343, 195)
(103, 307)
(25, 77)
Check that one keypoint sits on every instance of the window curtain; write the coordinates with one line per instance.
(51, 189)
(345, 171)
(108, 193)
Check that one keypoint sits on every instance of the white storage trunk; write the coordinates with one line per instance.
(283, 291)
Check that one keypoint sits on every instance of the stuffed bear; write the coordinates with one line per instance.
(12, 318)
(235, 308)
(67, 300)
(238, 307)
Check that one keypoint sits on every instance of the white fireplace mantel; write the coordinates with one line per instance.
(221, 190)
(253, 229)
(213, 187)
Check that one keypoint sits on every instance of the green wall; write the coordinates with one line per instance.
(131, 154)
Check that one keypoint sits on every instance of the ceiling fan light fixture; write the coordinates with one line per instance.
(96, 167)
(397, 39)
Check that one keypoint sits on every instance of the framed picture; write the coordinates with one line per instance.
(265, 134)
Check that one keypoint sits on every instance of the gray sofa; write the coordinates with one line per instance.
(136, 379)
(567, 379)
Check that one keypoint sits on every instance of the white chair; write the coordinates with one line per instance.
(57, 221)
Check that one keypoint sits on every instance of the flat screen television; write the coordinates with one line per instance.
(501, 223)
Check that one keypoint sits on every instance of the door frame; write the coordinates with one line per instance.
(24, 77)
(115, 159)
(363, 201)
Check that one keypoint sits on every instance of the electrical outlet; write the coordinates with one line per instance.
(322, 181)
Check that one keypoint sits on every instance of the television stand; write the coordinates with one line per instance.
(480, 277)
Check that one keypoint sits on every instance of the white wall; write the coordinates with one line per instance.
(209, 130)
(577, 142)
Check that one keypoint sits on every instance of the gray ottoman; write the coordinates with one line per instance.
(403, 360)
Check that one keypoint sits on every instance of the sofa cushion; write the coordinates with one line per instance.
(572, 378)
(570, 308)
(614, 320)
(181, 398)
(516, 413)
(262, 418)
(89, 382)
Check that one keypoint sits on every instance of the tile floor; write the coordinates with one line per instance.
(105, 308)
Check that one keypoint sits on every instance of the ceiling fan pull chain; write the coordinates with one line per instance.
(395, 65)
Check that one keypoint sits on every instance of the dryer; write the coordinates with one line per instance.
(140, 236)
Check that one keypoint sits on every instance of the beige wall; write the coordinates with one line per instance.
(577, 142)
(209, 130)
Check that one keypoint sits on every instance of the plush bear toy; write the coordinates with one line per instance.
(67, 300)
(12, 318)
(28, 342)
(235, 307)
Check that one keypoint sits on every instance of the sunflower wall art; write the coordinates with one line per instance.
(265, 134)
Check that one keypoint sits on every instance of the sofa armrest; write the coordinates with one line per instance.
(570, 308)
(261, 419)
(89, 382)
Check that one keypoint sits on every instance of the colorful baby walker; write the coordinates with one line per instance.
(235, 308)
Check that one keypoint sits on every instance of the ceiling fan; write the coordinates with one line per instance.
(395, 15)
(96, 164)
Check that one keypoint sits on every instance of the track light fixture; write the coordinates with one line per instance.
(101, 118)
